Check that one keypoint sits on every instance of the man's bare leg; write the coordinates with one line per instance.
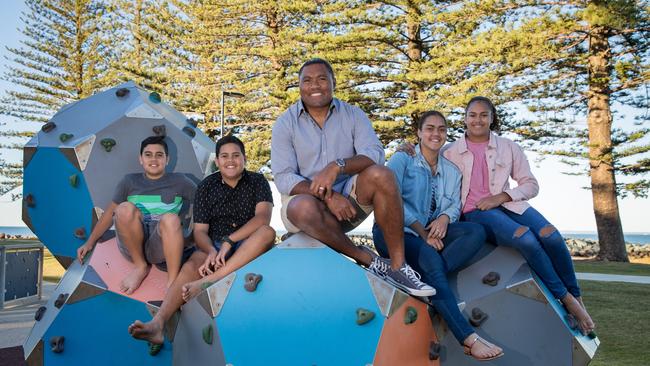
(257, 244)
(171, 233)
(376, 186)
(312, 217)
(152, 330)
(128, 225)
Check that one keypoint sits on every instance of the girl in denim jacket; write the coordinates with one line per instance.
(435, 243)
(487, 161)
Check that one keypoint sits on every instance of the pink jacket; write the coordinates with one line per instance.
(505, 159)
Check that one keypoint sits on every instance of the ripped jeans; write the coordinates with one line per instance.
(537, 240)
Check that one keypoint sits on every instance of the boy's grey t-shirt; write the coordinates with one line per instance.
(171, 193)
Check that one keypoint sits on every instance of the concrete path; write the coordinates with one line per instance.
(613, 278)
(17, 321)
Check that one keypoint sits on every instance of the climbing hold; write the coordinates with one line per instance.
(74, 180)
(492, 278)
(205, 285)
(108, 144)
(364, 316)
(154, 348)
(49, 126)
(478, 317)
(192, 122)
(39, 313)
(411, 315)
(121, 92)
(60, 300)
(571, 321)
(56, 343)
(251, 280)
(154, 97)
(159, 130)
(80, 233)
(65, 137)
(592, 335)
(189, 131)
(29, 200)
(434, 350)
(208, 334)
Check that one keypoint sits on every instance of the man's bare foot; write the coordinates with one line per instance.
(481, 349)
(132, 281)
(577, 309)
(151, 331)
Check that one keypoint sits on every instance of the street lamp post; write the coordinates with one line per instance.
(224, 94)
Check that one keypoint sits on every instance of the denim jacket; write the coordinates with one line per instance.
(414, 178)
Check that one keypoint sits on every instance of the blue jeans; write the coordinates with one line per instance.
(546, 254)
(462, 241)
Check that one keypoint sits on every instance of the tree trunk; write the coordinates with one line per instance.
(601, 161)
(415, 54)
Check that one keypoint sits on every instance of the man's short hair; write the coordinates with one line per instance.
(229, 139)
(153, 140)
(316, 61)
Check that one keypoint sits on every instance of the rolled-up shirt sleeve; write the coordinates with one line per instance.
(366, 141)
(284, 162)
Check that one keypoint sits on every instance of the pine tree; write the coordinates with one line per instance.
(597, 55)
(63, 58)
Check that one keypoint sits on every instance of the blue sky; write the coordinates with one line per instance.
(561, 199)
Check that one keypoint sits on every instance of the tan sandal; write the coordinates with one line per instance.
(468, 349)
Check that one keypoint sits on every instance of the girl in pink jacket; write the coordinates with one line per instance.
(487, 161)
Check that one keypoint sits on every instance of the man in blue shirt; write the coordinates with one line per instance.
(328, 165)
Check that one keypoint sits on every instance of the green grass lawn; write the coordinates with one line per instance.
(622, 313)
(635, 269)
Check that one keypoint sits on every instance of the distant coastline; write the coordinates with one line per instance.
(632, 238)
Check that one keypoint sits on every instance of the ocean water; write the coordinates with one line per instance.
(638, 238)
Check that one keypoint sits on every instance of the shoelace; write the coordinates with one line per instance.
(381, 265)
(412, 275)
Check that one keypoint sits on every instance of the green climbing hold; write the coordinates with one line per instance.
(108, 144)
(205, 285)
(208, 334)
(65, 137)
(154, 348)
(411, 315)
(74, 180)
(154, 97)
(364, 316)
(592, 335)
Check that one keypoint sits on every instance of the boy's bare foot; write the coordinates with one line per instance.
(191, 289)
(577, 309)
(151, 331)
(132, 281)
(480, 349)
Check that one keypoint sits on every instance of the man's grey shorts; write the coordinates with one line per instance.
(153, 248)
(349, 191)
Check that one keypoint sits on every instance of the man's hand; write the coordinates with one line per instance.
(438, 227)
(221, 257)
(407, 147)
(340, 207)
(83, 250)
(321, 184)
(491, 202)
(208, 266)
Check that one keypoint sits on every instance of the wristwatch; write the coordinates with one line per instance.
(341, 164)
(226, 239)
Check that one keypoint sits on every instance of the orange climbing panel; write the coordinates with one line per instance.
(111, 266)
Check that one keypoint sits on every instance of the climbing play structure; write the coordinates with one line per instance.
(299, 304)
